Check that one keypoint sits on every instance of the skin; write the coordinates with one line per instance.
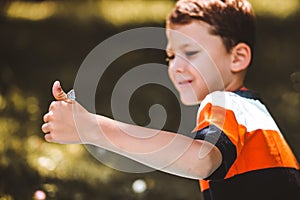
(210, 67)
(200, 64)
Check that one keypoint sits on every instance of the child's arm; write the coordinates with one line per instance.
(69, 122)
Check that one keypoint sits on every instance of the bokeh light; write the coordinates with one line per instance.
(31, 10)
(121, 12)
(48, 39)
(139, 186)
(276, 8)
(39, 195)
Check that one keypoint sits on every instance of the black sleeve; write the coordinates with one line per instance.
(218, 138)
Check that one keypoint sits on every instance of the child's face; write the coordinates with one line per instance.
(199, 63)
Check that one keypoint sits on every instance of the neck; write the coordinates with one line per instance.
(236, 83)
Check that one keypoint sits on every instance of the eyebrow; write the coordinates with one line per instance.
(168, 48)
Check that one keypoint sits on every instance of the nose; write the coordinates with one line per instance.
(178, 64)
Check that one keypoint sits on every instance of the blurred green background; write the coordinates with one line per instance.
(43, 41)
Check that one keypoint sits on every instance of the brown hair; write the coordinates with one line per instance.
(232, 20)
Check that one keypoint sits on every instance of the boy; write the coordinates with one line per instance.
(236, 150)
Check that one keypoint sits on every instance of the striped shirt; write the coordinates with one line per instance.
(257, 162)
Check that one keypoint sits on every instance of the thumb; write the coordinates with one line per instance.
(58, 92)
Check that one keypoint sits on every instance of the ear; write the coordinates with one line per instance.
(241, 57)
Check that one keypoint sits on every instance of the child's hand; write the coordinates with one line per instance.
(67, 121)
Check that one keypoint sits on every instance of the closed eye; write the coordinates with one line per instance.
(190, 53)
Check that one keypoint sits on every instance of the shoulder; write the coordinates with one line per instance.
(226, 99)
(249, 112)
(231, 101)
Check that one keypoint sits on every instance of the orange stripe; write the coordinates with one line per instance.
(223, 119)
(258, 149)
(204, 185)
(263, 149)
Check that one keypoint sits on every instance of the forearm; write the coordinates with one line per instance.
(68, 122)
(162, 150)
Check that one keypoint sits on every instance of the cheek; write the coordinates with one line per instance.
(201, 88)
(210, 75)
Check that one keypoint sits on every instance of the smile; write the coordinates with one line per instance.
(184, 82)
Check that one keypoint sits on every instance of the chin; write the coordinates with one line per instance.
(189, 101)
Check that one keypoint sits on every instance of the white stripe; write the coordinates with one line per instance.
(248, 112)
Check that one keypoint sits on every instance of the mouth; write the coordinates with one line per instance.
(184, 82)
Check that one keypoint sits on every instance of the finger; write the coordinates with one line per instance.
(52, 105)
(70, 101)
(48, 138)
(47, 117)
(58, 92)
(46, 128)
